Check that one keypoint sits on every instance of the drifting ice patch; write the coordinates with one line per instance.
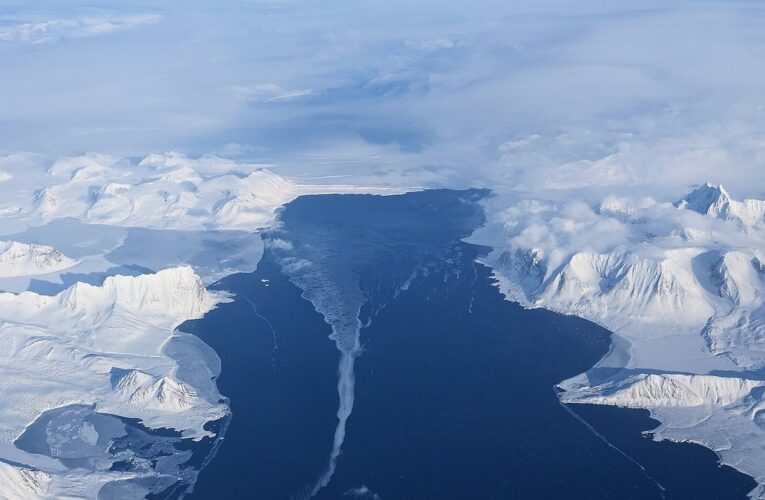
(338, 298)
(362, 492)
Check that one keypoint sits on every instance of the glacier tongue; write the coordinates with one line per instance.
(681, 285)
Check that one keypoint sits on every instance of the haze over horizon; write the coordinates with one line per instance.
(517, 94)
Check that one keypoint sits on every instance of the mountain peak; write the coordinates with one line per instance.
(707, 199)
(26, 259)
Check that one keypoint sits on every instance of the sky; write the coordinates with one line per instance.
(574, 96)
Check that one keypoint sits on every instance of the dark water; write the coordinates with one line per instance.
(454, 390)
(283, 396)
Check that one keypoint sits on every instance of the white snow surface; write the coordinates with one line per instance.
(168, 191)
(716, 202)
(26, 483)
(681, 284)
(62, 350)
(101, 346)
(24, 259)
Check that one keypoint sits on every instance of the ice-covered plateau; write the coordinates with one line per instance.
(681, 285)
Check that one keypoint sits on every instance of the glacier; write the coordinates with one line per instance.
(680, 283)
(167, 191)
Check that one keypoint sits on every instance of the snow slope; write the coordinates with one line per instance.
(100, 346)
(716, 202)
(22, 259)
(161, 191)
(681, 285)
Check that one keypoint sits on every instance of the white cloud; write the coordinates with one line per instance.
(279, 244)
(77, 27)
(269, 92)
(512, 95)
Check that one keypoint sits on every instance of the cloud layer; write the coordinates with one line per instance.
(81, 27)
(515, 95)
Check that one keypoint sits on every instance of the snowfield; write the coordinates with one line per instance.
(682, 286)
(163, 191)
(23, 259)
(102, 347)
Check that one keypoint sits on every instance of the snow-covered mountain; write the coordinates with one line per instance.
(716, 202)
(160, 191)
(681, 285)
(22, 259)
(670, 390)
(103, 346)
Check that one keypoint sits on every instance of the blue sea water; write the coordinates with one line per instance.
(454, 387)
